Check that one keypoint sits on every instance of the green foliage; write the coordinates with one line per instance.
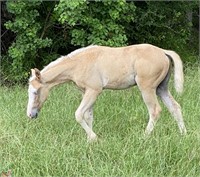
(163, 23)
(24, 50)
(47, 29)
(98, 22)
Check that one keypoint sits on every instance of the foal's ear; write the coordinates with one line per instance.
(32, 72)
(36, 72)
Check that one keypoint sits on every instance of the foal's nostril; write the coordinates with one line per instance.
(33, 115)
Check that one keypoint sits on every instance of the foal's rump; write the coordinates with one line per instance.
(151, 65)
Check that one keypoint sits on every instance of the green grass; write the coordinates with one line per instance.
(55, 145)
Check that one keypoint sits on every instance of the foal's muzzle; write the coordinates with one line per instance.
(33, 114)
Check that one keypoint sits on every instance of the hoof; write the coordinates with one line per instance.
(183, 132)
(92, 138)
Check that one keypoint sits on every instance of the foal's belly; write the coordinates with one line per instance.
(119, 82)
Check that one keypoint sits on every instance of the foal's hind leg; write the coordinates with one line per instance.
(154, 109)
(173, 107)
(150, 99)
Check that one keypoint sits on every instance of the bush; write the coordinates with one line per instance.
(44, 30)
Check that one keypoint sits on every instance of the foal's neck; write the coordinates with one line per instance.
(59, 73)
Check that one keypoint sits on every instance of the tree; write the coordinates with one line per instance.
(27, 42)
(163, 23)
(100, 22)
(44, 30)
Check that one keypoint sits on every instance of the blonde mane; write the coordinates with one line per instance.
(80, 50)
(53, 63)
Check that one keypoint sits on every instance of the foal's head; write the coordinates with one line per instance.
(37, 93)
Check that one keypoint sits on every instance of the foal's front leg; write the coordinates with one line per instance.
(88, 116)
(87, 102)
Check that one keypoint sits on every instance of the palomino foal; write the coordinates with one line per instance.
(95, 68)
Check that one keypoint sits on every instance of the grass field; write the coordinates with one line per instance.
(55, 145)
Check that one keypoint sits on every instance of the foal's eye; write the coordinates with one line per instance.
(35, 93)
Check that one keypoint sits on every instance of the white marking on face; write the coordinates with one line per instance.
(32, 93)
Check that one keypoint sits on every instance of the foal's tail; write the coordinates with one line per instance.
(178, 70)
